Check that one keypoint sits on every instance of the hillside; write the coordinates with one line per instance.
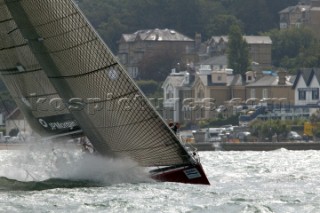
(208, 17)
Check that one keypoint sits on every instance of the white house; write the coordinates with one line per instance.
(177, 88)
(306, 89)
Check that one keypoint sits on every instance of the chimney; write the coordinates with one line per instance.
(259, 74)
(197, 41)
(178, 67)
(282, 77)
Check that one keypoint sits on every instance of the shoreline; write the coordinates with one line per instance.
(218, 146)
(255, 146)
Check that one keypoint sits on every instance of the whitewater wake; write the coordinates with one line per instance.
(51, 165)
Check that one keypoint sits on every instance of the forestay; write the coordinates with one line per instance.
(113, 113)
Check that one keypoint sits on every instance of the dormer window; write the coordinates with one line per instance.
(169, 94)
(200, 93)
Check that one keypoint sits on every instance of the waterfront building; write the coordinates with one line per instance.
(143, 45)
(178, 96)
(306, 88)
(259, 49)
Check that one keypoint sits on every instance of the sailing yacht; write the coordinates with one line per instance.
(66, 81)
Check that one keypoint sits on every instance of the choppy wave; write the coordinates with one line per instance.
(247, 182)
(12, 184)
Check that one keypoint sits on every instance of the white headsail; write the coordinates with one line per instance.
(28, 84)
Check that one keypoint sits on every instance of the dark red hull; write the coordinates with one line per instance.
(192, 174)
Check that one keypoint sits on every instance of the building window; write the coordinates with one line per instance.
(169, 92)
(302, 94)
(219, 78)
(123, 58)
(200, 94)
(203, 115)
(133, 71)
(283, 25)
(252, 93)
(315, 94)
(198, 114)
(265, 93)
(187, 113)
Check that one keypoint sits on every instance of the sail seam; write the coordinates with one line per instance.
(6, 20)
(11, 31)
(56, 20)
(79, 45)
(66, 32)
(15, 46)
(84, 74)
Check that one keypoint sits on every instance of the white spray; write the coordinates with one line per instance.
(48, 160)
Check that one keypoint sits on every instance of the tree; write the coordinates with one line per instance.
(238, 51)
(110, 34)
(157, 66)
(218, 25)
(295, 47)
(208, 17)
(149, 87)
(266, 129)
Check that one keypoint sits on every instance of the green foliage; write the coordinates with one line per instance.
(208, 17)
(294, 48)
(315, 117)
(238, 52)
(157, 66)
(266, 129)
(257, 15)
(291, 48)
(149, 87)
(219, 25)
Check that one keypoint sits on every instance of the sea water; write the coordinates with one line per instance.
(64, 179)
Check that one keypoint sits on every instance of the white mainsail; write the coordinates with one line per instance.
(115, 116)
